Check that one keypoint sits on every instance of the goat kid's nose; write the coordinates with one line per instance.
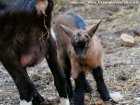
(81, 57)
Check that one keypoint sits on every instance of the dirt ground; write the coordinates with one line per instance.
(122, 64)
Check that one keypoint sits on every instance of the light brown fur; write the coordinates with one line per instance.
(41, 6)
(94, 55)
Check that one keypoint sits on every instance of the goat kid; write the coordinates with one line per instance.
(23, 43)
(79, 50)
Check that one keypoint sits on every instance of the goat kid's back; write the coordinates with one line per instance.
(78, 47)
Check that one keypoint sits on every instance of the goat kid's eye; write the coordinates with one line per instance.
(73, 36)
(87, 45)
(76, 38)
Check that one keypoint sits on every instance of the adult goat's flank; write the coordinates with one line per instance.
(23, 43)
(79, 50)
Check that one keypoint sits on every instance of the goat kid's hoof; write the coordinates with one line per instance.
(101, 102)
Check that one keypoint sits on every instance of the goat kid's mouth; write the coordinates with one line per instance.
(81, 57)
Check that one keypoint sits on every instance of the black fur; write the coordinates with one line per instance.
(80, 48)
(79, 89)
(101, 86)
(20, 31)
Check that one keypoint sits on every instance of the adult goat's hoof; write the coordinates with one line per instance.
(42, 103)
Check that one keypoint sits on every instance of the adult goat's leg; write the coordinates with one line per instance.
(58, 73)
(25, 86)
(67, 71)
(37, 99)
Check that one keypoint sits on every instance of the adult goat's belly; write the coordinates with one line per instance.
(33, 57)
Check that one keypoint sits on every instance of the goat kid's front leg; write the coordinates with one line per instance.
(58, 74)
(87, 87)
(101, 86)
(79, 89)
(25, 86)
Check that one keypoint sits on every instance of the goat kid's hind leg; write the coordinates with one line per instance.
(101, 86)
(79, 89)
(25, 87)
(58, 74)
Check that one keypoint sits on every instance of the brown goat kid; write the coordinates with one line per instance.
(79, 50)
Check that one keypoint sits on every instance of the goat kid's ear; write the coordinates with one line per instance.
(67, 30)
(92, 31)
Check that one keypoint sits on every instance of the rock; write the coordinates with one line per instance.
(137, 31)
(137, 99)
(127, 40)
(116, 96)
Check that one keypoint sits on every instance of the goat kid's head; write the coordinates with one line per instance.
(80, 39)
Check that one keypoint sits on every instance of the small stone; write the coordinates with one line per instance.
(87, 97)
(1, 91)
(116, 96)
(137, 99)
(127, 40)
(99, 102)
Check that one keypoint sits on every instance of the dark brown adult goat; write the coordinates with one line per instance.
(23, 42)
(79, 50)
